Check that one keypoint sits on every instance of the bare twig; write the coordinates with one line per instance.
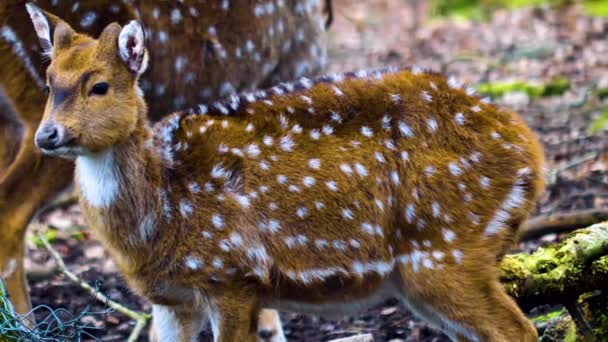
(576, 161)
(140, 318)
(356, 338)
(561, 222)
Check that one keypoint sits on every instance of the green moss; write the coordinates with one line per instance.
(596, 8)
(602, 93)
(555, 87)
(600, 123)
(483, 9)
(571, 333)
(548, 316)
(50, 235)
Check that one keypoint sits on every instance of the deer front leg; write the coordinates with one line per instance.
(270, 328)
(234, 318)
(176, 323)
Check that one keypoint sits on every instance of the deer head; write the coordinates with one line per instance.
(91, 84)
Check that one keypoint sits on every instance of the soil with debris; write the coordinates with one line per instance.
(527, 44)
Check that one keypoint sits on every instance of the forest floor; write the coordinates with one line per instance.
(534, 46)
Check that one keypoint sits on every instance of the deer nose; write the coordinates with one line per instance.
(51, 136)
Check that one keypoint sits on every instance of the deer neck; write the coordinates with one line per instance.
(117, 189)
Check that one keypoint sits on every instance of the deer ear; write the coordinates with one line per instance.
(44, 25)
(132, 48)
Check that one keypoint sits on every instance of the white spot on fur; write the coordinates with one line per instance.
(302, 212)
(405, 129)
(217, 221)
(347, 214)
(366, 131)
(448, 235)
(361, 170)
(315, 134)
(484, 182)
(432, 125)
(455, 169)
(314, 164)
(327, 130)
(346, 169)
(395, 177)
(296, 129)
(331, 185)
(459, 117)
(410, 213)
(185, 208)
(436, 208)
(458, 255)
(308, 181)
(287, 143)
(193, 262)
(426, 96)
(282, 179)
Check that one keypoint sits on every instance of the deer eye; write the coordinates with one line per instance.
(46, 89)
(100, 88)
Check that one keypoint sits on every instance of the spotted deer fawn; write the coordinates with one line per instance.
(225, 46)
(320, 196)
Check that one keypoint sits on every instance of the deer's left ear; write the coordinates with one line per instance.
(132, 48)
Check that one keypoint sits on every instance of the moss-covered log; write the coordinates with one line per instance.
(572, 273)
(560, 272)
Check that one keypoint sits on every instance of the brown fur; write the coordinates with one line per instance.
(308, 196)
(29, 180)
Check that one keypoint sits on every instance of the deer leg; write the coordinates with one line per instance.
(30, 180)
(234, 318)
(176, 323)
(466, 301)
(270, 328)
(29, 183)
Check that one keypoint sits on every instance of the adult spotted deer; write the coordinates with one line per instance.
(201, 51)
(320, 196)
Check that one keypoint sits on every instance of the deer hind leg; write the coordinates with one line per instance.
(466, 301)
(270, 328)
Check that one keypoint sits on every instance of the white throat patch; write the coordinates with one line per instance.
(96, 178)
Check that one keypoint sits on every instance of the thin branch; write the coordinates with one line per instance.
(141, 318)
(356, 338)
(561, 222)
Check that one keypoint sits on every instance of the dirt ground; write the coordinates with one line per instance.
(528, 44)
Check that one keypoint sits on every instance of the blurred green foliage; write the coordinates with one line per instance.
(600, 123)
(483, 9)
(50, 234)
(555, 87)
